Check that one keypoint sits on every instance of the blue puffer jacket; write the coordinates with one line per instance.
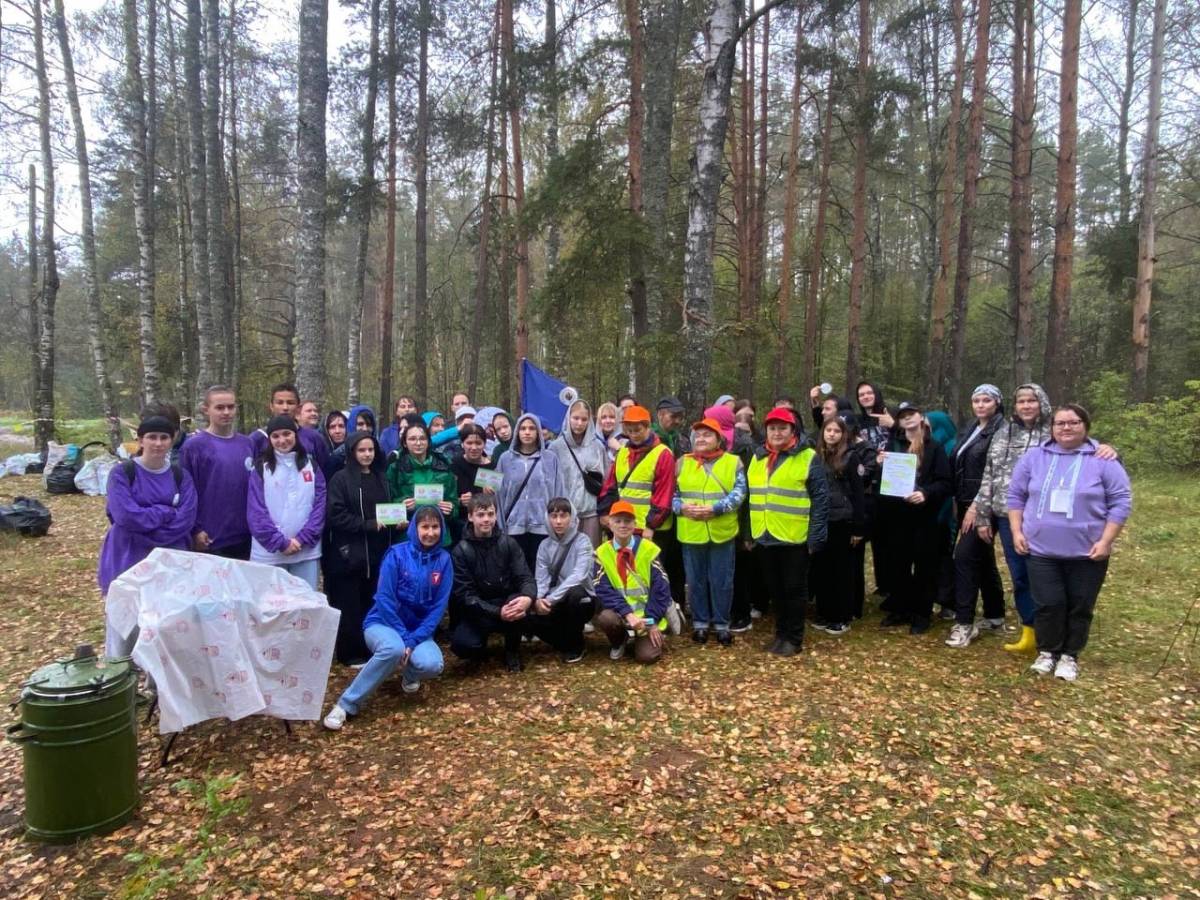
(414, 589)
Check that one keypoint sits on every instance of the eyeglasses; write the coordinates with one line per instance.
(1069, 423)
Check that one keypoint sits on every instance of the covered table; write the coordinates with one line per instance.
(222, 638)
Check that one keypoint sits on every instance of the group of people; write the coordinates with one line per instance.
(630, 523)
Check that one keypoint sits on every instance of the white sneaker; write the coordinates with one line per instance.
(674, 619)
(588, 628)
(336, 718)
(617, 652)
(1067, 668)
(993, 625)
(409, 687)
(962, 635)
(1044, 664)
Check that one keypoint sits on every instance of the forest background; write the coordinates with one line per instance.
(665, 196)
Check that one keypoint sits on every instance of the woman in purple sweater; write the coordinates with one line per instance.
(1066, 506)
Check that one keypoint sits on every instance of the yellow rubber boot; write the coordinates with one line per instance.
(1026, 643)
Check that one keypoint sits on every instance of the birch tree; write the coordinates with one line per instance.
(43, 429)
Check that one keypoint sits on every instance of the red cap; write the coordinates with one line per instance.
(781, 414)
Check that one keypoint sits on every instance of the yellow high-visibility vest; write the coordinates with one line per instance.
(639, 485)
(779, 501)
(705, 485)
(637, 591)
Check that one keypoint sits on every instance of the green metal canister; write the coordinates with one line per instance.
(78, 734)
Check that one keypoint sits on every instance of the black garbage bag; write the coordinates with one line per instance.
(26, 515)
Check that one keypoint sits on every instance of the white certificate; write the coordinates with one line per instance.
(391, 513)
(488, 479)
(427, 494)
(899, 476)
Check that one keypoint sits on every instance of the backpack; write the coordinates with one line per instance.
(129, 467)
(59, 478)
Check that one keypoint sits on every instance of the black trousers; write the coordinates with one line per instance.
(785, 568)
(672, 560)
(975, 572)
(529, 543)
(914, 543)
(233, 551)
(831, 579)
(1064, 597)
(352, 596)
(858, 564)
(468, 639)
(749, 587)
(562, 627)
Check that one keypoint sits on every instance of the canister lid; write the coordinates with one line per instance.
(85, 673)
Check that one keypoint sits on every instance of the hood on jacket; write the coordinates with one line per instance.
(589, 433)
(429, 415)
(378, 464)
(879, 404)
(941, 426)
(483, 418)
(352, 417)
(1043, 404)
(412, 531)
(572, 526)
(325, 427)
(723, 416)
(541, 438)
(1089, 447)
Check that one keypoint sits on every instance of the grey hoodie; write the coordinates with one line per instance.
(1009, 443)
(592, 457)
(576, 567)
(526, 513)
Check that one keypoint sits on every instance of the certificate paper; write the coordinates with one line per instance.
(391, 513)
(489, 479)
(899, 476)
(427, 494)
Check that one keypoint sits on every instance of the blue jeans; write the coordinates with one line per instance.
(1018, 569)
(307, 570)
(387, 647)
(709, 569)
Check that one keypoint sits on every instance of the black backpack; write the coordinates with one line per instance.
(61, 479)
(129, 467)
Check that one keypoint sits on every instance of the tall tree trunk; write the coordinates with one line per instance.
(91, 278)
(387, 304)
(1124, 175)
(759, 245)
(43, 429)
(185, 313)
(858, 241)
(811, 311)
(936, 358)
(366, 196)
(35, 294)
(786, 277)
(506, 372)
(238, 297)
(658, 94)
(518, 167)
(421, 248)
(744, 197)
(483, 258)
(1057, 360)
(704, 185)
(1021, 194)
(205, 326)
(1145, 270)
(966, 227)
(214, 156)
(551, 33)
(636, 137)
(143, 199)
(312, 93)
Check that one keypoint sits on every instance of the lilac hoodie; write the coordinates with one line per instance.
(1098, 492)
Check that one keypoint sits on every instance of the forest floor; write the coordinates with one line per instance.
(877, 764)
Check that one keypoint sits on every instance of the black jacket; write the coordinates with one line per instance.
(846, 501)
(353, 544)
(969, 462)
(488, 572)
(935, 479)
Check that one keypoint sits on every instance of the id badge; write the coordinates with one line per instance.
(1060, 501)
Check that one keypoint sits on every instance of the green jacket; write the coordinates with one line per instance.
(406, 472)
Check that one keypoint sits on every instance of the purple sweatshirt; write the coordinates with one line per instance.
(220, 468)
(1096, 491)
(151, 512)
(311, 440)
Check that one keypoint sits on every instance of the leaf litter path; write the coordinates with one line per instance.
(879, 764)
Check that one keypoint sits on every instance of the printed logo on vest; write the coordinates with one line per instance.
(308, 476)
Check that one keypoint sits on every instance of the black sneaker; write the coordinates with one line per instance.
(572, 656)
(700, 636)
(919, 626)
(785, 648)
(947, 614)
(512, 661)
(774, 645)
(724, 638)
(741, 626)
(837, 628)
(893, 619)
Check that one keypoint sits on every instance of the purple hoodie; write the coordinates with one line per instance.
(1097, 491)
(151, 512)
(220, 468)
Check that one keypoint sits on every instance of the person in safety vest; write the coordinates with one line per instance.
(632, 587)
(643, 475)
(710, 485)
(789, 500)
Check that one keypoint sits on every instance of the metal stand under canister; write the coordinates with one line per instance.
(78, 734)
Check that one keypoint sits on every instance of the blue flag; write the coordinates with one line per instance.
(539, 395)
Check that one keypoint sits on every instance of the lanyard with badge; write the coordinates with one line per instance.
(1062, 499)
